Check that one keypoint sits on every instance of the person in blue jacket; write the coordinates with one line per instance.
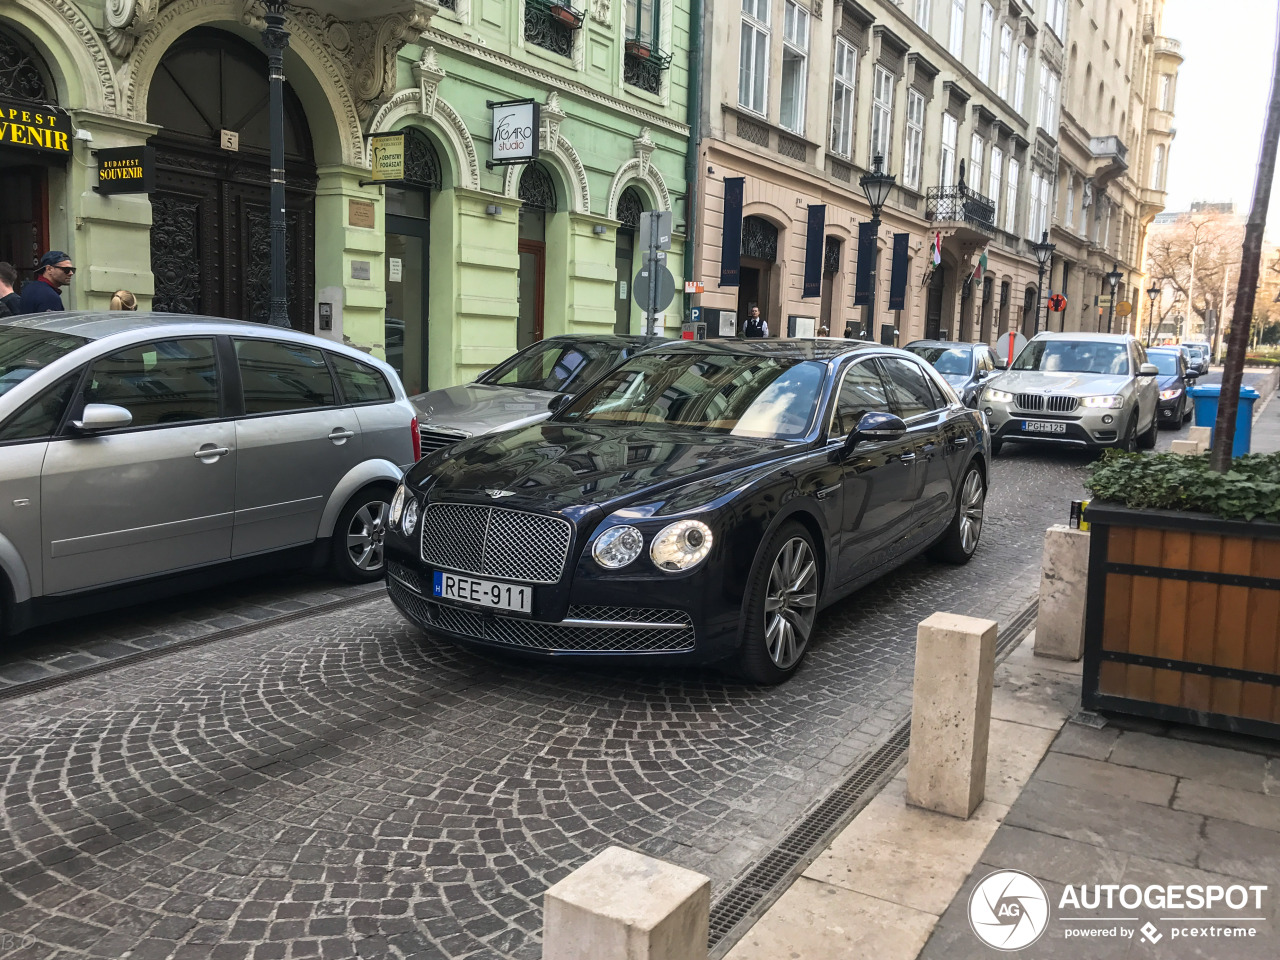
(44, 293)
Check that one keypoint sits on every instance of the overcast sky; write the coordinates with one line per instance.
(1223, 85)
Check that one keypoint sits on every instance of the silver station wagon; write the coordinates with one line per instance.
(151, 453)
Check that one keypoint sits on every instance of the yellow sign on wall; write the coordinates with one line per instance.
(35, 126)
(387, 153)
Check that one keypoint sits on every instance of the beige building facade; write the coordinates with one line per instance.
(965, 100)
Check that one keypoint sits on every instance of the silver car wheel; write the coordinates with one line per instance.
(365, 536)
(972, 501)
(790, 603)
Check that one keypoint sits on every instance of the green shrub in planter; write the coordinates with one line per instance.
(1250, 490)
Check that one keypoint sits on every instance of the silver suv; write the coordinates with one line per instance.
(1086, 389)
(138, 446)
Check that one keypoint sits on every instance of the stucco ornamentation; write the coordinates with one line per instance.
(428, 72)
(601, 11)
(552, 117)
(70, 14)
(409, 102)
(564, 157)
(127, 20)
(643, 147)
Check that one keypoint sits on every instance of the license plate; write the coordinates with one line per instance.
(1043, 426)
(483, 593)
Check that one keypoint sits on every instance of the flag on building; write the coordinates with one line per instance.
(937, 248)
(982, 266)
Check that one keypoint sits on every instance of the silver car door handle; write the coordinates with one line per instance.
(339, 434)
(206, 453)
(906, 457)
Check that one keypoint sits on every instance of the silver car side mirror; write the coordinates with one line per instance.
(1148, 370)
(98, 417)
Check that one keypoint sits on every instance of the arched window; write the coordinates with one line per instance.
(537, 189)
(23, 74)
(630, 206)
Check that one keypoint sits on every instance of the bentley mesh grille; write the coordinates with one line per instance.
(494, 542)
(642, 635)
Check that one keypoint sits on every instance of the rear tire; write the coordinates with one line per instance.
(357, 548)
(780, 606)
(960, 540)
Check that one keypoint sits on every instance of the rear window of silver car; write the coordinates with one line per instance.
(23, 352)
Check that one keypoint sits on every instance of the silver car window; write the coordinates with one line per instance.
(360, 382)
(163, 382)
(279, 377)
(40, 418)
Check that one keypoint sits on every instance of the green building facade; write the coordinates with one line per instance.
(444, 273)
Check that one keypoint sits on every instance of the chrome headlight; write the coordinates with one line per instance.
(1170, 394)
(617, 546)
(410, 521)
(397, 505)
(681, 545)
(993, 395)
(1106, 403)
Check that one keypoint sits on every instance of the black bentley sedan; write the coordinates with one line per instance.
(701, 502)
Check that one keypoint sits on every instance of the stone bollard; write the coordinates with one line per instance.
(1064, 577)
(1188, 448)
(623, 905)
(951, 713)
(1202, 436)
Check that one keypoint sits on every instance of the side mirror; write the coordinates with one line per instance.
(559, 401)
(1148, 370)
(98, 417)
(1192, 374)
(875, 425)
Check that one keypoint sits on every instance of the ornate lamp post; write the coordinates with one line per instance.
(275, 38)
(875, 186)
(1152, 292)
(1043, 251)
(1114, 277)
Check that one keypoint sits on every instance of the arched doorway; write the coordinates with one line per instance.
(630, 206)
(211, 233)
(24, 174)
(538, 200)
(759, 254)
(933, 308)
(408, 253)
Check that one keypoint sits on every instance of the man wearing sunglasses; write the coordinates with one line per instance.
(44, 293)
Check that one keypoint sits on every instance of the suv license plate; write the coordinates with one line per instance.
(483, 593)
(1043, 426)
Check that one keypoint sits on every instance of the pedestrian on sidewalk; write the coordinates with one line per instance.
(10, 302)
(123, 300)
(44, 293)
(756, 327)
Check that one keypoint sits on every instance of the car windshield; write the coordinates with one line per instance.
(1166, 363)
(742, 396)
(956, 361)
(1197, 350)
(560, 366)
(23, 352)
(1074, 356)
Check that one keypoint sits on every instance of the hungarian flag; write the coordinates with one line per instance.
(982, 266)
(937, 248)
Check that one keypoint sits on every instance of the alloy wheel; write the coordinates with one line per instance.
(972, 502)
(790, 603)
(366, 534)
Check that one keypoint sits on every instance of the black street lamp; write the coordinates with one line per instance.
(875, 186)
(1113, 278)
(1152, 292)
(275, 38)
(1043, 251)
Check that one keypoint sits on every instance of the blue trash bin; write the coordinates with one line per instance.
(1205, 398)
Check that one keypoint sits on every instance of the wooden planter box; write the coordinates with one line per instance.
(1183, 619)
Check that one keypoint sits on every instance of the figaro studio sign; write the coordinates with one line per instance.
(33, 126)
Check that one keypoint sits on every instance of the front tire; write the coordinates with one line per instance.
(780, 607)
(1128, 442)
(960, 540)
(1147, 440)
(358, 536)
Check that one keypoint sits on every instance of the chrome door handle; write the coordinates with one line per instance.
(907, 457)
(340, 435)
(961, 441)
(211, 453)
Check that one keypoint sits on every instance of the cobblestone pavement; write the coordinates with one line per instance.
(340, 786)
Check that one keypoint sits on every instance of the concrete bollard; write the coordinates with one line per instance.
(623, 905)
(1064, 575)
(1188, 448)
(951, 713)
(1202, 436)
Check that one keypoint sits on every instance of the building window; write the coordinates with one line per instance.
(882, 114)
(984, 45)
(1046, 185)
(956, 41)
(914, 139)
(1006, 54)
(924, 10)
(644, 63)
(1048, 99)
(947, 172)
(1157, 168)
(1166, 92)
(993, 183)
(1055, 16)
(643, 20)
(974, 174)
(753, 61)
(549, 29)
(795, 58)
(842, 88)
(1071, 200)
(1011, 198)
(1020, 80)
(1053, 103)
(1033, 208)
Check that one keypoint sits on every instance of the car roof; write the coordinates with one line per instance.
(1085, 336)
(950, 344)
(1164, 349)
(798, 348)
(611, 339)
(97, 325)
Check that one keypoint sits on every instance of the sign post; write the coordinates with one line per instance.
(654, 286)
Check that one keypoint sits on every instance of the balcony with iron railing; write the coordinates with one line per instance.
(644, 64)
(551, 25)
(961, 205)
(1109, 148)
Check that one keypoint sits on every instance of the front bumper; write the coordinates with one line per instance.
(1084, 428)
(1170, 410)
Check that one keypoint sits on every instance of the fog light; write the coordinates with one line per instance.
(1108, 418)
(988, 411)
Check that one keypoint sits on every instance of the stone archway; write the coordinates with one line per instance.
(559, 153)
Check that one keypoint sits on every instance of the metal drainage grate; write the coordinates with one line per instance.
(1016, 631)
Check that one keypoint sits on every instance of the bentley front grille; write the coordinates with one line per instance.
(495, 542)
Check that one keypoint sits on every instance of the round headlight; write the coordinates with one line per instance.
(410, 521)
(681, 545)
(617, 546)
(397, 504)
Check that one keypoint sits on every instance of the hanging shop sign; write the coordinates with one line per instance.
(386, 151)
(35, 126)
(515, 131)
(126, 170)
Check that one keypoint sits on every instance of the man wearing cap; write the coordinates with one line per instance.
(44, 293)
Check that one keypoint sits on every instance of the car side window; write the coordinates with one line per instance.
(360, 382)
(984, 361)
(39, 419)
(161, 383)
(909, 392)
(280, 377)
(862, 391)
